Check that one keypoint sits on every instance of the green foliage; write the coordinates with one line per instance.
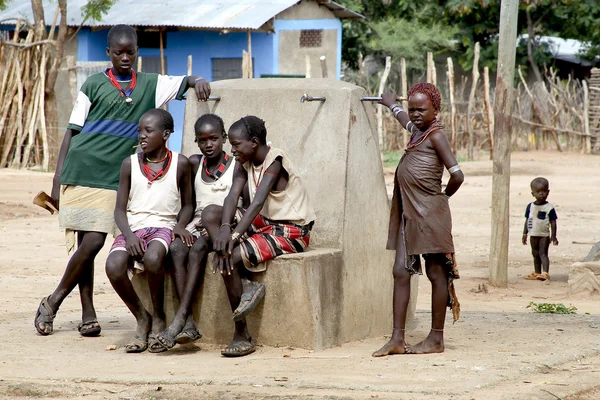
(401, 38)
(551, 308)
(95, 9)
(399, 28)
(391, 158)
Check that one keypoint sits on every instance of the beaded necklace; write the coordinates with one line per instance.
(220, 170)
(416, 139)
(154, 175)
(125, 92)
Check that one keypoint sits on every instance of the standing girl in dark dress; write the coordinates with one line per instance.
(420, 220)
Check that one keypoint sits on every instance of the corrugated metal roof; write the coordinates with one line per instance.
(201, 14)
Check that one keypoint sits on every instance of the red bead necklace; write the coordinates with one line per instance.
(154, 175)
(125, 92)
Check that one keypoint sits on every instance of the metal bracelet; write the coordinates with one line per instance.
(454, 169)
(235, 236)
(222, 225)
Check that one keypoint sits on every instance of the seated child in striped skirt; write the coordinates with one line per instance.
(277, 221)
(154, 187)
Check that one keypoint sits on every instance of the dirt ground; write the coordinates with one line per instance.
(498, 350)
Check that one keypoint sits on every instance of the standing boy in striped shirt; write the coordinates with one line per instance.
(101, 133)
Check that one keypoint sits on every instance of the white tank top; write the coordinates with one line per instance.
(214, 192)
(155, 205)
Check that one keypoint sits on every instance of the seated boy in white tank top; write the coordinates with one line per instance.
(154, 188)
(212, 177)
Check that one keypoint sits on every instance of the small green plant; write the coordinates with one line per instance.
(551, 308)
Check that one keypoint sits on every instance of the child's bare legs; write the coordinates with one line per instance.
(179, 252)
(80, 270)
(116, 269)
(86, 288)
(195, 275)
(211, 219)
(235, 287)
(434, 342)
(153, 266)
(539, 250)
(397, 344)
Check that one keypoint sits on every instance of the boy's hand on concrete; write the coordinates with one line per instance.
(555, 241)
(202, 89)
(524, 239)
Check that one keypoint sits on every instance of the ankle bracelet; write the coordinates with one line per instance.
(437, 330)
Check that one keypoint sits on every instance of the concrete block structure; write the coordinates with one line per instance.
(341, 289)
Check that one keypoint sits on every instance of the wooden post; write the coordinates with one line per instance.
(488, 109)
(323, 66)
(139, 66)
(502, 132)
(431, 78)
(162, 53)
(586, 118)
(189, 66)
(404, 83)
(452, 103)
(308, 72)
(162, 59)
(472, 101)
(249, 55)
(384, 77)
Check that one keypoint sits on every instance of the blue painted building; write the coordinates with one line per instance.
(287, 37)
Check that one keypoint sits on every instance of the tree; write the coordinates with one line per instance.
(472, 21)
(94, 10)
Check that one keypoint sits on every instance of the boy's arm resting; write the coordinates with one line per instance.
(240, 177)
(62, 154)
(194, 168)
(553, 229)
(442, 148)
(135, 246)
(524, 239)
(184, 182)
(200, 85)
(265, 186)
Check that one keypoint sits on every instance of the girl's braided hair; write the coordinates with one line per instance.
(429, 90)
(253, 126)
(211, 119)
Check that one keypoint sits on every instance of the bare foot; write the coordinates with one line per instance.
(434, 343)
(394, 346)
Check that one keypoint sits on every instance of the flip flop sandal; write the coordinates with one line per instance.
(239, 349)
(87, 328)
(44, 315)
(165, 340)
(249, 301)
(155, 346)
(187, 336)
(531, 277)
(543, 276)
(136, 346)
